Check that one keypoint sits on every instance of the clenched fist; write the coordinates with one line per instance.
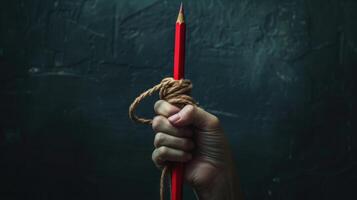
(195, 137)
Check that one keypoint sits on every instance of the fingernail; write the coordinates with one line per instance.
(174, 118)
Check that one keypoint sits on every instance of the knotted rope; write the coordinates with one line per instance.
(176, 92)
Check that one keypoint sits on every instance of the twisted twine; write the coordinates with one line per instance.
(176, 92)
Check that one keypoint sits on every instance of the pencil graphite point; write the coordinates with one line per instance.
(181, 18)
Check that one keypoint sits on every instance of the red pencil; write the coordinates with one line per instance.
(179, 58)
(179, 66)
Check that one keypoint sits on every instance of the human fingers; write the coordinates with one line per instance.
(164, 108)
(162, 124)
(162, 154)
(196, 116)
(162, 139)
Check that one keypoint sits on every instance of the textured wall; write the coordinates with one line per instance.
(279, 74)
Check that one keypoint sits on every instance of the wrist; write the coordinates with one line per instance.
(224, 186)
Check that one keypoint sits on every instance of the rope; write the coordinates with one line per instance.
(176, 92)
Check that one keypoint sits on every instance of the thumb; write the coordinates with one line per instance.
(196, 116)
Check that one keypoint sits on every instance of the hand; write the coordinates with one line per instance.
(194, 136)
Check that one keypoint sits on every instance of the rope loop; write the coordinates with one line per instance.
(176, 92)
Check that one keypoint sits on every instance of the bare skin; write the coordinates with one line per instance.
(195, 137)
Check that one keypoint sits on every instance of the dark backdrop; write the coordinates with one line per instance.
(280, 74)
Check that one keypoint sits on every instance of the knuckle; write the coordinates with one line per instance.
(163, 151)
(156, 122)
(159, 139)
(187, 112)
(190, 109)
(215, 122)
(158, 104)
(153, 156)
(156, 161)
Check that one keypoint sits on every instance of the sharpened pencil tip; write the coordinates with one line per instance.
(180, 18)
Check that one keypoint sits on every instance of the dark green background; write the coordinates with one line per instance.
(280, 74)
